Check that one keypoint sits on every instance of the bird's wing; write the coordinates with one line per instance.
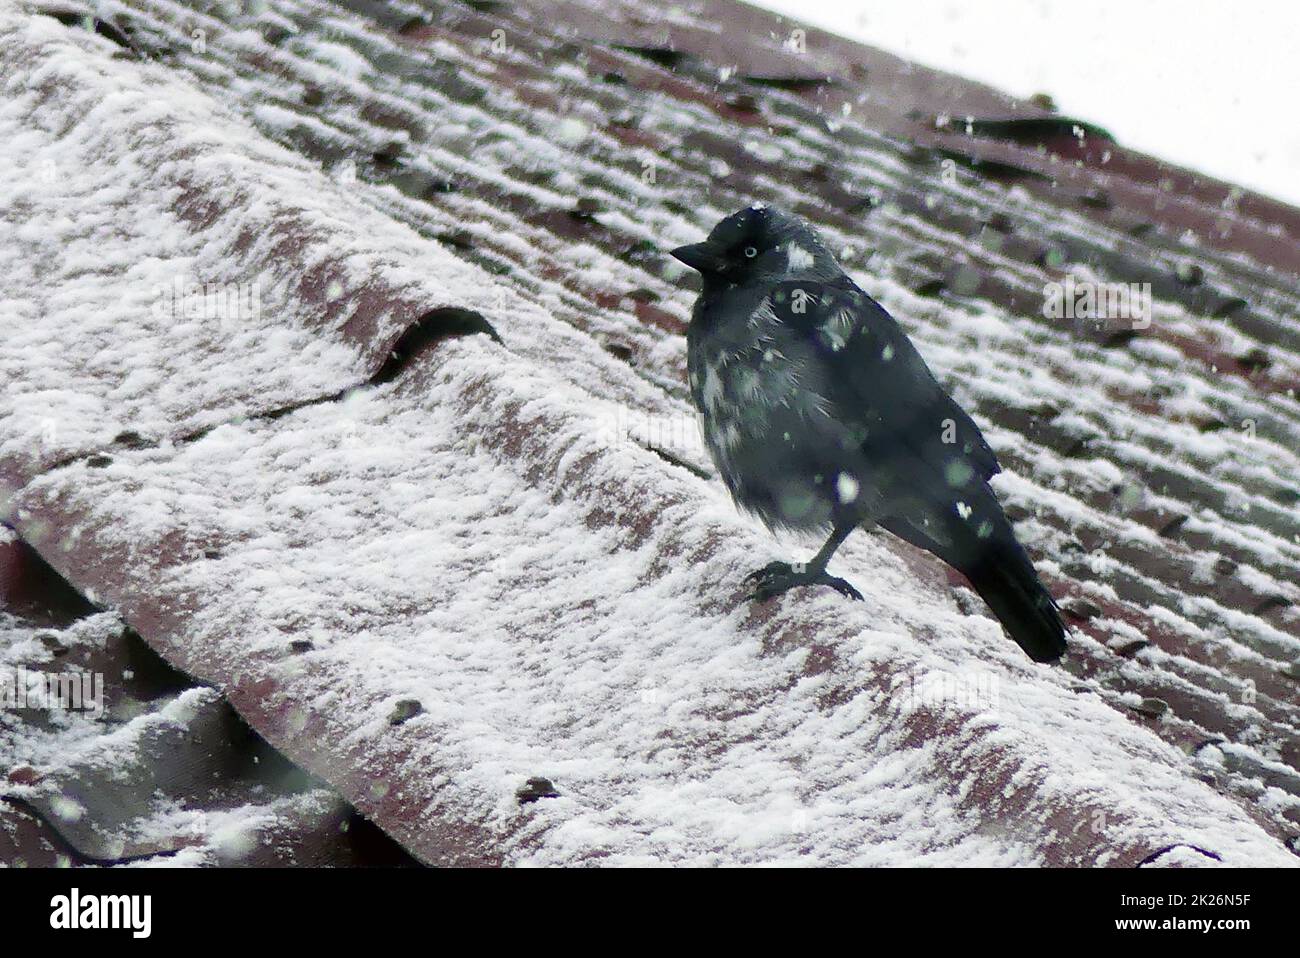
(877, 380)
(926, 457)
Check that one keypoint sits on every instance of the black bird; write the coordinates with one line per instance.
(821, 415)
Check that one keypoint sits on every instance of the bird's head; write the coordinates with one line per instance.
(759, 243)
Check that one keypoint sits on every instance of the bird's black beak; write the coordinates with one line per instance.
(707, 257)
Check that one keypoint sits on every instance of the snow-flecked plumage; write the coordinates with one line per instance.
(821, 414)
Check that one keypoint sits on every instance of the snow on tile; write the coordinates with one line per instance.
(676, 723)
(565, 608)
(128, 192)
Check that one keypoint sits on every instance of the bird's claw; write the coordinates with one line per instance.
(776, 577)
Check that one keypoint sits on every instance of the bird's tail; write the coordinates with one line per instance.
(994, 562)
(1005, 578)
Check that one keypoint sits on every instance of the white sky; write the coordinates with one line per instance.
(1212, 86)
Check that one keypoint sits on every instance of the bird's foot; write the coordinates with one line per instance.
(776, 577)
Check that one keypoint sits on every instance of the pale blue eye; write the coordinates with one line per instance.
(750, 252)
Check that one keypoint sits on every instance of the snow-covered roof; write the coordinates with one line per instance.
(146, 767)
(430, 564)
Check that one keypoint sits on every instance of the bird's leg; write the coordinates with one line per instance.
(776, 577)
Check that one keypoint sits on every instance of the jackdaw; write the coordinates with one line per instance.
(821, 415)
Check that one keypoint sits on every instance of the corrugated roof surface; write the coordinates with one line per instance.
(146, 767)
(489, 535)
